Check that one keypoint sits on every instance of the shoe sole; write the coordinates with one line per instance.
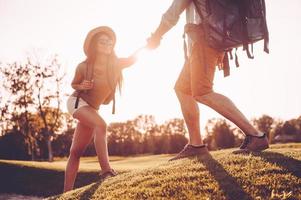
(191, 156)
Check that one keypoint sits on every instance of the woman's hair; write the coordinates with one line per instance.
(91, 57)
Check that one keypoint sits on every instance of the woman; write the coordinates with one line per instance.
(94, 83)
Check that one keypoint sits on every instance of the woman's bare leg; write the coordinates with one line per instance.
(94, 120)
(89, 122)
(101, 146)
(82, 137)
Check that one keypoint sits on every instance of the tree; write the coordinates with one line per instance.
(12, 146)
(264, 124)
(31, 90)
(289, 127)
(143, 135)
(19, 84)
(219, 134)
(173, 136)
(51, 117)
(62, 143)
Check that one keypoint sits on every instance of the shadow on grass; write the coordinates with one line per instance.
(96, 161)
(38, 182)
(228, 184)
(287, 163)
(88, 193)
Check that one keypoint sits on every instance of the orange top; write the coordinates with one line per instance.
(101, 87)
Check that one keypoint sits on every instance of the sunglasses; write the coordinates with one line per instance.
(105, 42)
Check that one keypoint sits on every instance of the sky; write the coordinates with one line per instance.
(269, 84)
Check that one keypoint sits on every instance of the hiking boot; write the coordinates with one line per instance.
(107, 174)
(253, 144)
(190, 151)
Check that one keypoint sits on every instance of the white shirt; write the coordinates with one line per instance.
(172, 15)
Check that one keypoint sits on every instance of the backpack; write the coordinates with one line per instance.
(229, 24)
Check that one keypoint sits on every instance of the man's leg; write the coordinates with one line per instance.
(254, 140)
(190, 111)
(227, 108)
(204, 60)
(191, 114)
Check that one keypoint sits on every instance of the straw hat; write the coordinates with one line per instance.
(105, 29)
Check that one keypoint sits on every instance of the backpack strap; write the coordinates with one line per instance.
(242, 12)
(88, 76)
(231, 55)
(199, 11)
(266, 34)
(76, 101)
(236, 58)
(226, 66)
(185, 46)
(110, 76)
(247, 49)
(114, 102)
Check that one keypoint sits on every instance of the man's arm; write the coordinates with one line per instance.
(169, 19)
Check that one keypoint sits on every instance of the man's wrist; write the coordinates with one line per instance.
(161, 30)
(156, 36)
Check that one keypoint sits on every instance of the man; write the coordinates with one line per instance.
(195, 83)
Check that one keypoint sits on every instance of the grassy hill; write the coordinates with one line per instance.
(46, 178)
(273, 174)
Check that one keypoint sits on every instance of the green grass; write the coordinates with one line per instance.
(46, 178)
(273, 174)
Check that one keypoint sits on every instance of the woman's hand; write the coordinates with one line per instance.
(86, 85)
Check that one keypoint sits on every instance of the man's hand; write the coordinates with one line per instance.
(153, 42)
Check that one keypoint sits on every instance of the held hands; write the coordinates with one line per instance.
(86, 85)
(153, 42)
(138, 52)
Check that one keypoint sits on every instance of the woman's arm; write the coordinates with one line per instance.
(127, 62)
(84, 85)
(78, 82)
